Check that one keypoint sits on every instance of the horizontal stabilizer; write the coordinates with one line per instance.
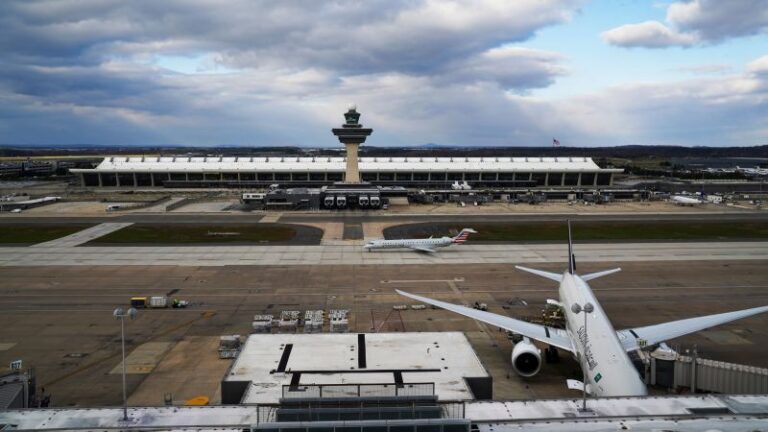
(590, 276)
(553, 276)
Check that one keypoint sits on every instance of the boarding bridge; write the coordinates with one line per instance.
(674, 371)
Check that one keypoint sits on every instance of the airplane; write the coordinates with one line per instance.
(460, 186)
(421, 245)
(601, 351)
(756, 171)
(685, 200)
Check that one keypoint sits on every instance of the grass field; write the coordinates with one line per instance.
(198, 234)
(23, 234)
(592, 231)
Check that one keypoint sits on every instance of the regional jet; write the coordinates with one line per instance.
(421, 245)
(685, 200)
(600, 350)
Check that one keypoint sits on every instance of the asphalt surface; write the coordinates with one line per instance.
(331, 255)
(387, 217)
(59, 321)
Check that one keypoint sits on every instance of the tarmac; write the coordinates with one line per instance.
(353, 254)
(59, 319)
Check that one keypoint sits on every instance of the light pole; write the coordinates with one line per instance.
(120, 314)
(587, 309)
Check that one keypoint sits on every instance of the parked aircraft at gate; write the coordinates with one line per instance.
(421, 245)
(599, 348)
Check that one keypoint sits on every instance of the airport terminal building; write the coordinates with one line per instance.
(418, 172)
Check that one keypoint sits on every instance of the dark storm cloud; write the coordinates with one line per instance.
(346, 36)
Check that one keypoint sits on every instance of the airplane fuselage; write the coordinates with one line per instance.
(432, 243)
(609, 370)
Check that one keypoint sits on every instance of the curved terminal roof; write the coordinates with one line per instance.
(338, 164)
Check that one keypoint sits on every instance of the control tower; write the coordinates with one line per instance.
(352, 134)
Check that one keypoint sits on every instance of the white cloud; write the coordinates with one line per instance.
(692, 22)
(717, 20)
(648, 34)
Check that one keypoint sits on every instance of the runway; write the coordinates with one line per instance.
(355, 255)
(360, 217)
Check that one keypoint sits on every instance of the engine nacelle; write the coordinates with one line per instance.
(526, 358)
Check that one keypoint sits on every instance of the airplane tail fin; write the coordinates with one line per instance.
(463, 235)
(571, 256)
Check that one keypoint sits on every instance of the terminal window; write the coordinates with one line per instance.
(571, 179)
(539, 178)
(555, 179)
(587, 179)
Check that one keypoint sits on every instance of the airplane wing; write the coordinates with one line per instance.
(548, 335)
(421, 248)
(658, 333)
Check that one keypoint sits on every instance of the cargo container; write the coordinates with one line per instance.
(157, 302)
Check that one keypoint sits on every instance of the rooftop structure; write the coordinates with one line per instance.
(679, 413)
(176, 171)
(269, 362)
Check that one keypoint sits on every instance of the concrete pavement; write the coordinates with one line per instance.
(355, 255)
(83, 236)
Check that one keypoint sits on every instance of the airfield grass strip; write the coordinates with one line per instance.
(197, 234)
(37, 233)
(597, 231)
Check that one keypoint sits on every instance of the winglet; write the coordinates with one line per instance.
(571, 257)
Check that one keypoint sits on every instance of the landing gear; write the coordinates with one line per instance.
(551, 355)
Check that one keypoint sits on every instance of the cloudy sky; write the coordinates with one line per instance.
(462, 72)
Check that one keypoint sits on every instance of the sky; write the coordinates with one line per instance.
(464, 72)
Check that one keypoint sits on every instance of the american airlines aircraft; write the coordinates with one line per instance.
(601, 351)
(421, 245)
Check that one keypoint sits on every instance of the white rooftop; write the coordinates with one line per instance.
(679, 413)
(449, 353)
(338, 164)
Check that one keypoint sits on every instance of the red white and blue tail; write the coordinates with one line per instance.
(463, 235)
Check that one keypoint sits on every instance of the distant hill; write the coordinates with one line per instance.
(424, 150)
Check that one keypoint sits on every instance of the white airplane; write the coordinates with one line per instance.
(601, 351)
(421, 245)
(460, 186)
(757, 171)
(685, 200)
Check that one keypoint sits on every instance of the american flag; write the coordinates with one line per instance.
(461, 238)
(555, 143)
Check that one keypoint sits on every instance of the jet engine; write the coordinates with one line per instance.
(526, 358)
